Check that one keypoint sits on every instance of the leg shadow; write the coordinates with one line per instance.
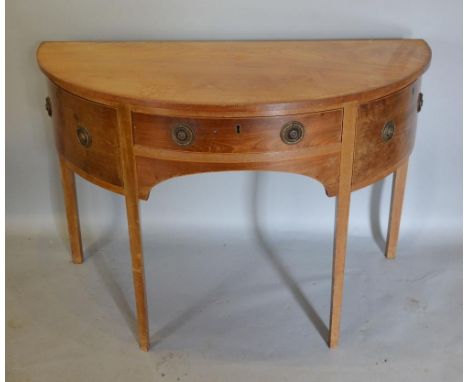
(98, 258)
(374, 214)
(278, 265)
(112, 227)
(116, 293)
(196, 308)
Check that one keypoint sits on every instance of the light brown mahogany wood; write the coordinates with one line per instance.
(261, 76)
(71, 209)
(398, 191)
(374, 158)
(235, 97)
(101, 160)
(323, 167)
(237, 144)
(133, 216)
(238, 135)
(341, 220)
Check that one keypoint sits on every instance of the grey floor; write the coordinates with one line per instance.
(227, 307)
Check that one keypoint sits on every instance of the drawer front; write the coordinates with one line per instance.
(385, 134)
(86, 135)
(238, 135)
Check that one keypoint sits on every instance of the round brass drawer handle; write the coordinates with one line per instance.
(388, 131)
(84, 137)
(292, 132)
(182, 134)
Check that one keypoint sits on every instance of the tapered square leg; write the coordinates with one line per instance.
(398, 191)
(339, 255)
(71, 208)
(343, 200)
(124, 117)
(138, 271)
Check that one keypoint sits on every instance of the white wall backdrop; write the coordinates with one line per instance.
(230, 200)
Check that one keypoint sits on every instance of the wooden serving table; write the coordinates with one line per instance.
(129, 115)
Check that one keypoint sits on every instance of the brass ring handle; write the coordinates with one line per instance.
(388, 131)
(48, 106)
(84, 137)
(292, 132)
(420, 102)
(182, 134)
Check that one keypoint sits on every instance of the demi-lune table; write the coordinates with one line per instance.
(129, 115)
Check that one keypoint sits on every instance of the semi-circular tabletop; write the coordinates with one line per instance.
(257, 77)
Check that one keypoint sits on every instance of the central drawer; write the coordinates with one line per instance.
(238, 135)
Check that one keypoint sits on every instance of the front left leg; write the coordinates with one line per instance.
(343, 200)
(339, 255)
(129, 172)
(138, 269)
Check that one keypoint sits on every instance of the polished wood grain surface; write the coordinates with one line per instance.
(130, 115)
(261, 76)
(375, 158)
(238, 135)
(101, 159)
(324, 168)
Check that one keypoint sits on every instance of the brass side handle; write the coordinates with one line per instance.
(182, 134)
(420, 102)
(48, 106)
(84, 137)
(292, 132)
(388, 131)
